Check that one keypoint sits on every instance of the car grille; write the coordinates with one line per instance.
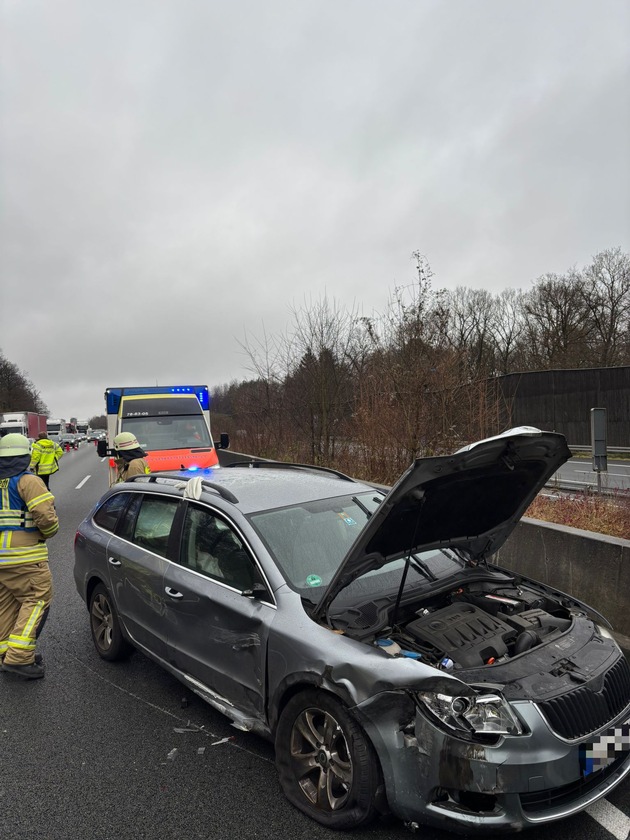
(545, 800)
(584, 711)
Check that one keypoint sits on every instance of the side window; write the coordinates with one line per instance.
(153, 523)
(211, 547)
(107, 515)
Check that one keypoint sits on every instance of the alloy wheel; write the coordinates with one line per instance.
(321, 760)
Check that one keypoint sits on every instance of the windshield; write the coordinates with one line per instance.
(310, 540)
(174, 432)
(425, 568)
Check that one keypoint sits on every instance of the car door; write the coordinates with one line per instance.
(217, 634)
(136, 556)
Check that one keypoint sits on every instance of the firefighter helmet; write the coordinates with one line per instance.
(14, 444)
(125, 441)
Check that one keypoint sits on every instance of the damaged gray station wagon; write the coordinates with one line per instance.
(366, 635)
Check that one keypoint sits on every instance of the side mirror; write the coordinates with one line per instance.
(224, 441)
(101, 448)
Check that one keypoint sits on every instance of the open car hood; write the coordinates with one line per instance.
(470, 501)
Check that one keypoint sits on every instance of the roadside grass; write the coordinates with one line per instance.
(602, 514)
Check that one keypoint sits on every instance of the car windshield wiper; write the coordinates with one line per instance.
(420, 566)
(363, 507)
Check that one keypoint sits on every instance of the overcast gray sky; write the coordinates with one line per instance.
(177, 174)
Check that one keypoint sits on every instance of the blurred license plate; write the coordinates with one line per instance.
(606, 749)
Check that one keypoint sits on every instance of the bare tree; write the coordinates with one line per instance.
(469, 328)
(320, 354)
(306, 377)
(370, 394)
(507, 328)
(605, 289)
(259, 405)
(557, 325)
(408, 390)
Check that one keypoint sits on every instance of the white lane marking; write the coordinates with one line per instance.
(611, 818)
(80, 485)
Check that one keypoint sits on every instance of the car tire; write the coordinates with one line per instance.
(327, 765)
(107, 636)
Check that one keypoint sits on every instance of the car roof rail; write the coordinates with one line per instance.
(259, 462)
(221, 490)
(169, 478)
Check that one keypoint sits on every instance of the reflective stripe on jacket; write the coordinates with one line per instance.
(27, 519)
(14, 515)
(44, 456)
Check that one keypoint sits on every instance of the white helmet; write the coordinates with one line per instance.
(14, 444)
(124, 441)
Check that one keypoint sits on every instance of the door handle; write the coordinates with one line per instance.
(113, 562)
(173, 593)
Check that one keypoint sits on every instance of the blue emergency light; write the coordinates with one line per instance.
(114, 395)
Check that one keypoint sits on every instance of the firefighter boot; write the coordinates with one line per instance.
(39, 660)
(32, 671)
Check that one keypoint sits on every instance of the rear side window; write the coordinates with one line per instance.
(108, 514)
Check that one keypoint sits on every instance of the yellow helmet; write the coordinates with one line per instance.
(125, 440)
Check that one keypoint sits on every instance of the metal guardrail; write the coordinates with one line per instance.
(593, 481)
(596, 480)
(620, 450)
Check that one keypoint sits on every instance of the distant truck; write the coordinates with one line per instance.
(171, 424)
(56, 428)
(26, 423)
(83, 427)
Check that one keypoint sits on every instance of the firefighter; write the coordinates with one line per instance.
(130, 458)
(27, 519)
(45, 456)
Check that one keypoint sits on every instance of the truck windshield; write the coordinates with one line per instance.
(174, 432)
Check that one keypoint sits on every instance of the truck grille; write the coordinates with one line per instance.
(584, 711)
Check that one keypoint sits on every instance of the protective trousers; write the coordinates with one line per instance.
(25, 595)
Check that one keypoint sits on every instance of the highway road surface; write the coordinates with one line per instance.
(578, 474)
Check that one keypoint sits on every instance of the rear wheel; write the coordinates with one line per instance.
(107, 636)
(326, 763)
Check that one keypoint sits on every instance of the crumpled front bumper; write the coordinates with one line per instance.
(433, 778)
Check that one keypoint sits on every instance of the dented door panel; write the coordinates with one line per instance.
(218, 636)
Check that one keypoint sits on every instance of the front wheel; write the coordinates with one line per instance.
(327, 766)
(107, 636)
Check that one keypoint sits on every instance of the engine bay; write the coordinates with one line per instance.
(480, 624)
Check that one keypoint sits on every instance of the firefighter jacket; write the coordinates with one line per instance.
(27, 518)
(45, 454)
(127, 469)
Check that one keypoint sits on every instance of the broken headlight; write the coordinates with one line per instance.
(481, 714)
